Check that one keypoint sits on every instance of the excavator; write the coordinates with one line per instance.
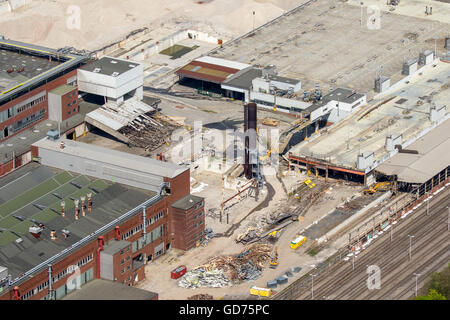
(383, 186)
(274, 260)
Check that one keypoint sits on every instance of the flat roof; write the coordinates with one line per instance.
(433, 156)
(283, 79)
(339, 94)
(62, 90)
(39, 63)
(211, 69)
(243, 78)
(21, 142)
(115, 246)
(114, 157)
(37, 195)
(366, 129)
(109, 65)
(99, 289)
(187, 202)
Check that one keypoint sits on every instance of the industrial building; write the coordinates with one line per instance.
(36, 84)
(208, 73)
(357, 145)
(105, 212)
(112, 78)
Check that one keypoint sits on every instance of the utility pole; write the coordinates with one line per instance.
(410, 239)
(312, 286)
(417, 275)
(353, 262)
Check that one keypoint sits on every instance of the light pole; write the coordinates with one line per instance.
(410, 239)
(435, 46)
(312, 286)
(392, 230)
(428, 203)
(417, 275)
(253, 21)
(362, 3)
(353, 262)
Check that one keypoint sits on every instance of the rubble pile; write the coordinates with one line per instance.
(202, 296)
(203, 278)
(245, 266)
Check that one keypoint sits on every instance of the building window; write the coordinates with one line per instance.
(128, 258)
(122, 271)
(128, 267)
(121, 251)
(122, 261)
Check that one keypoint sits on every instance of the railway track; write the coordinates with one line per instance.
(430, 249)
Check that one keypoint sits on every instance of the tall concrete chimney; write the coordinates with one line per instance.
(250, 120)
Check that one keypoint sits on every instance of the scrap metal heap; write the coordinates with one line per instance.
(221, 270)
(149, 130)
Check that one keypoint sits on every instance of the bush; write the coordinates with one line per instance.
(432, 295)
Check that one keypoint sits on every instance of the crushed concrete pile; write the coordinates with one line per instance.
(247, 265)
(203, 278)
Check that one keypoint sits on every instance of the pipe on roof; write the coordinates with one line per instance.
(117, 233)
(100, 248)
(16, 293)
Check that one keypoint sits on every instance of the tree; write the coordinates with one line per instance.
(432, 295)
(440, 281)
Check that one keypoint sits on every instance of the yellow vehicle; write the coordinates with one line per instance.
(263, 292)
(379, 186)
(274, 260)
(307, 181)
(298, 242)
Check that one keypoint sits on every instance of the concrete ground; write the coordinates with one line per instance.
(87, 24)
(325, 43)
(158, 272)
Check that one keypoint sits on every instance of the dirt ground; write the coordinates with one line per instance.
(158, 272)
(52, 22)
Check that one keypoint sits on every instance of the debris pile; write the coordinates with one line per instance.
(209, 234)
(202, 296)
(203, 278)
(245, 266)
(249, 271)
(247, 236)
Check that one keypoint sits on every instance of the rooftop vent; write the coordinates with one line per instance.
(35, 231)
(96, 70)
(53, 135)
(65, 233)
(132, 65)
(113, 61)
(115, 74)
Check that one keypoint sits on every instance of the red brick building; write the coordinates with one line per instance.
(32, 72)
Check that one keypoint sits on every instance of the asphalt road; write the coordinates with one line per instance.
(430, 250)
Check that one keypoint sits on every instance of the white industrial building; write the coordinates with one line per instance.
(337, 104)
(113, 78)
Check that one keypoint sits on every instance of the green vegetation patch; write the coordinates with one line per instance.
(8, 222)
(45, 216)
(63, 177)
(6, 237)
(99, 184)
(177, 51)
(27, 197)
(22, 227)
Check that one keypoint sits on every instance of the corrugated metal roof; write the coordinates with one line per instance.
(223, 62)
(114, 157)
(433, 157)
